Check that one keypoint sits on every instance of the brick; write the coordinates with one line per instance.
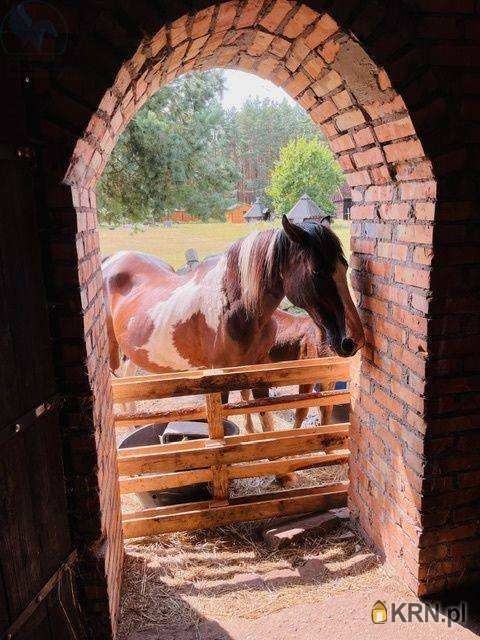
(298, 52)
(332, 80)
(342, 99)
(369, 157)
(403, 150)
(324, 111)
(279, 11)
(349, 119)
(329, 50)
(307, 100)
(358, 178)
(201, 22)
(324, 28)
(300, 21)
(417, 190)
(226, 15)
(297, 84)
(424, 211)
(392, 251)
(260, 43)
(313, 65)
(414, 170)
(178, 31)
(379, 194)
(410, 276)
(382, 109)
(249, 14)
(415, 233)
(393, 130)
(363, 137)
(342, 143)
(395, 211)
(279, 47)
(423, 255)
(363, 212)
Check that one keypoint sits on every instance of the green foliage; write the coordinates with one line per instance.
(305, 166)
(173, 154)
(183, 150)
(257, 132)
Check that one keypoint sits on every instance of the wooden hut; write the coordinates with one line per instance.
(181, 215)
(306, 209)
(236, 213)
(258, 212)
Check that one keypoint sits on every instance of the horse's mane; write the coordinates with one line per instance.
(264, 255)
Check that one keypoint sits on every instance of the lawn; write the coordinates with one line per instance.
(207, 238)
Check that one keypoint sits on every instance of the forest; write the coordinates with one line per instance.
(185, 150)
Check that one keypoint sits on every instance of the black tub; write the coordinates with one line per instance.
(165, 433)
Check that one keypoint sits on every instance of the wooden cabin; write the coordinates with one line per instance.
(258, 212)
(236, 213)
(181, 215)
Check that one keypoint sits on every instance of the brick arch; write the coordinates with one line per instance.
(413, 262)
(368, 126)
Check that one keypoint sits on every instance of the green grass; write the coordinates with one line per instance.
(207, 238)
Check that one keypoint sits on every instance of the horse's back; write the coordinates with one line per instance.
(123, 270)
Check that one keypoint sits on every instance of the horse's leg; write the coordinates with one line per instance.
(128, 368)
(249, 428)
(301, 414)
(326, 412)
(266, 419)
(287, 479)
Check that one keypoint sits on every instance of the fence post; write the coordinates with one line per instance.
(216, 432)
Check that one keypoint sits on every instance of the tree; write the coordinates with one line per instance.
(257, 131)
(172, 155)
(305, 166)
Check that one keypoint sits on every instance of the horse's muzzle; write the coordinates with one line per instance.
(347, 347)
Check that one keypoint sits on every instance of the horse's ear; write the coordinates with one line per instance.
(326, 220)
(293, 231)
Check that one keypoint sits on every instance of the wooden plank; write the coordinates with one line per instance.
(220, 483)
(214, 416)
(274, 403)
(212, 380)
(342, 427)
(293, 401)
(161, 481)
(28, 612)
(268, 506)
(129, 419)
(157, 482)
(229, 453)
(279, 467)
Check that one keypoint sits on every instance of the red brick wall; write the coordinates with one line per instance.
(415, 480)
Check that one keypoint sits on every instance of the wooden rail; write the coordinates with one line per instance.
(219, 459)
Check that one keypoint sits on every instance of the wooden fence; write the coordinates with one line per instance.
(219, 458)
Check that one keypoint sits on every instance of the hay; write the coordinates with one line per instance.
(174, 581)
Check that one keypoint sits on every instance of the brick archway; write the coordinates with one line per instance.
(403, 484)
(369, 128)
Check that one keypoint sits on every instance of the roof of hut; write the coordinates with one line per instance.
(305, 209)
(257, 211)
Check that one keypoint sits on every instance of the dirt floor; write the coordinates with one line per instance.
(227, 583)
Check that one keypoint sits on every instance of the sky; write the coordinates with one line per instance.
(240, 86)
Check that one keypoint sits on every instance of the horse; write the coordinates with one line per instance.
(297, 337)
(222, 313)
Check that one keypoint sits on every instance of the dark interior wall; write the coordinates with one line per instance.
(431, 51)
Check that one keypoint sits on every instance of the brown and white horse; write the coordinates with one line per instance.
(297, 337)
(222, 313)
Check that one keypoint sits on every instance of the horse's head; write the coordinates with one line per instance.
(314, 274)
